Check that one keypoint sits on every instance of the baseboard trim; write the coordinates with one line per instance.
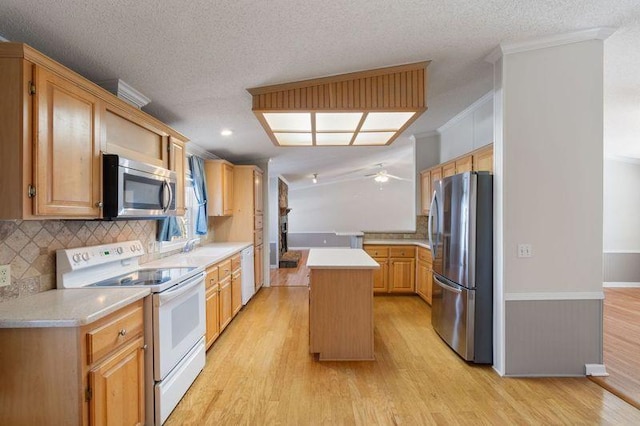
(583, 295)
(614, 284)
(595, 370)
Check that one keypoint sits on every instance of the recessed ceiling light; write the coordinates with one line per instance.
(226, 132)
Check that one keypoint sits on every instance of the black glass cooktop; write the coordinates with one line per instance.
(144, 277)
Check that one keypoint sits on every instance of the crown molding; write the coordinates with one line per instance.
(428, 134)
(125, 92)
(197, 150)
(504, 48)
(462, 114)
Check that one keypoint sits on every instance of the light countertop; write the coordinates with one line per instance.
(66, 308)
(201, 257)
(398, 242)
(340, 258)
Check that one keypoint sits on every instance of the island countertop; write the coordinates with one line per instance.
(340, 258)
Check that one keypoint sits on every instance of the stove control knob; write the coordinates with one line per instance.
(85, 256)
(133, 247)
(119, 250)
(76, 257)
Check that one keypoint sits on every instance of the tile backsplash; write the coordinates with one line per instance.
(30, 246)
(420, 234)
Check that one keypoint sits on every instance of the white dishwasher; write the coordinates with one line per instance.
(248, 280)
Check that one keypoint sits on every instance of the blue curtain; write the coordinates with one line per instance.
(200, 187)
(168, 228)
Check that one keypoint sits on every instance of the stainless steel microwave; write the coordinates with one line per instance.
(135, 190)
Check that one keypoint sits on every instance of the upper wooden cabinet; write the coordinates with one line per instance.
(464, 164)
(483, 159)
(54, 124)
(219, 175)
(449, 169)
(67, 153)
(257, 191)
(177, 163)
(425, 191)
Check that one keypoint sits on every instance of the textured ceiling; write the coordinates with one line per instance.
(195, 59)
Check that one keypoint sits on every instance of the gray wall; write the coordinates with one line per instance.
(622, 267)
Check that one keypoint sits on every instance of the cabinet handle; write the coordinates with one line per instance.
(122, 332)
(99, 204)
(144, 348)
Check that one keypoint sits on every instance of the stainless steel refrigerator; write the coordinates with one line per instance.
(461, 239)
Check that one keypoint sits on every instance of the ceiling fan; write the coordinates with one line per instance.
(382, 176)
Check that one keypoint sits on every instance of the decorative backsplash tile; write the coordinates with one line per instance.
(420, 234)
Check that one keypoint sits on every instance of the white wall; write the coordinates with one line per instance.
(552, 158)
(427, 155)
(621, 205)
(355, 205)
(469, 130)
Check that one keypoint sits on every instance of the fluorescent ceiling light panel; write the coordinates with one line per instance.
(386, 120)
(333, 138)
(294, 139)
(373, 138)
(337, 121)
(288, 121)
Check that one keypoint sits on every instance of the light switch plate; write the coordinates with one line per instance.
(525, 250)
(5, 275)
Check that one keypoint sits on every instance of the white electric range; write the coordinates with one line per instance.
(175, 319)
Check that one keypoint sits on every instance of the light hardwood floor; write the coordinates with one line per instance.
(260, 372)
(292, 277)
(622, 343)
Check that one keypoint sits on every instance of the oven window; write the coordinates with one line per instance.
(184, 319)
(142, 193)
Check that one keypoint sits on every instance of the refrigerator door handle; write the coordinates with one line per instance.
(434, 202)
(447, 287)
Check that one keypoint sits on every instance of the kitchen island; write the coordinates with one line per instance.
(341, 304)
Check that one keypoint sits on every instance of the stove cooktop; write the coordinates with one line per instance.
(144, 277)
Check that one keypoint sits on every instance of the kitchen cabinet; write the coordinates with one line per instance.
(424, 279)
(246, 223)
(80, 375)
(226, 310)
(212, 301)
(483, 159)
(397, 268)
(464, 164)
(449, 169)
(425, 191)
(220, 176)
(436, 175)
(177, 163)
(236, 292)
(54, 124)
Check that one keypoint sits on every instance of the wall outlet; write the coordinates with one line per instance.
(5, 275)
(151, 247)
(525, 250)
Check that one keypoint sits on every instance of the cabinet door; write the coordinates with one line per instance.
(257, 192)
(449, 169)
(117, 386)
(436, 175)
(423, 281)
(483, 160)
(227, 189)
(236, 292)
(213, 314)
(464, 164)
(67, 157)
(225, 303)
(258, 266)
(380, 282)
(425, 191)
(402, 275)
(177, 164)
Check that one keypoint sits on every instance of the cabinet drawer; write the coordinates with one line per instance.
(424, 254)
(224, 270)
(235, 262)
(257, 238)
(377, 251)
(258, 222)
(116, 330)
(402, 251)
(212, 277)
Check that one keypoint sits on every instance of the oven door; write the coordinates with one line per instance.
(179, 321)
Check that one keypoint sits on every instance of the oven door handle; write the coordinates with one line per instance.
(180, 289)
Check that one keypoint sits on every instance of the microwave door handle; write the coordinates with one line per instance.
(165, 195)
(171, 195)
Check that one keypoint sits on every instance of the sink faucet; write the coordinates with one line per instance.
(189, 245)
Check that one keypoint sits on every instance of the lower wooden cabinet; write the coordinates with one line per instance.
(213, 314)
(91, 374)
(236, 292)
(424, 280)
(117, 388)
(402, 275)
(258, 266)
(226, 312)
(380, 276)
